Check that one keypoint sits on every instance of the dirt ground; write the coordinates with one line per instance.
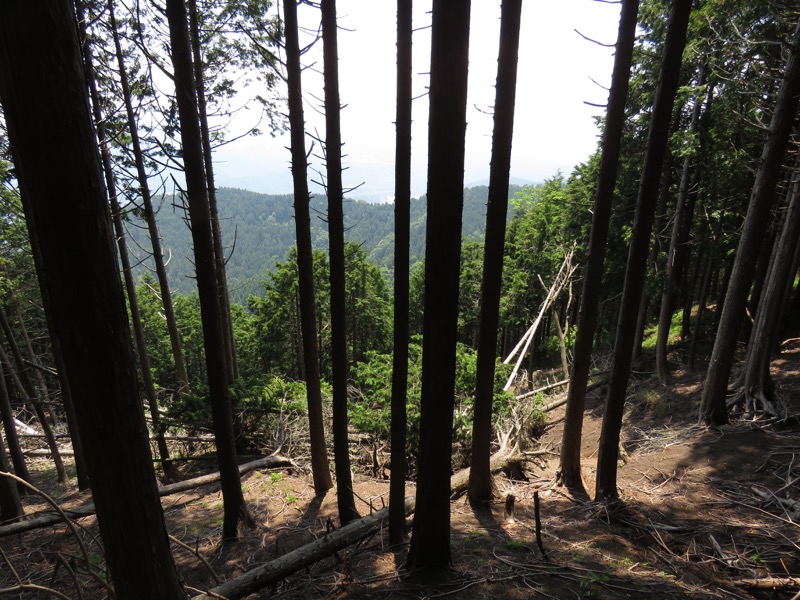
(704, 514)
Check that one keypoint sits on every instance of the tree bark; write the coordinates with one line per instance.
(570, 465)
(606, 483)
(480, 478)
(758, 387)
(305, 261)
(149, 214)
(122, 245)
(333, 161)
(678, 250)
(713, 409)
(430, 543)
(43, 92)
(216, 367)
(216, 230)
(402, 228)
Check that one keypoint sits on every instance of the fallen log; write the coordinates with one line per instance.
(273, 461)
(768, 583)
(349, 534)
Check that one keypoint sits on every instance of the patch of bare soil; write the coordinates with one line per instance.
(703, 514)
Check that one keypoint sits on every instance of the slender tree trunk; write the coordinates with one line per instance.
(333, 160)
(44, 96)
(570, 467)
(216, 230)
(305, 260)
(677, 253)
(402, 227)
(216, 367)
(480, 477)
(26, 389)
(10, 429)
(713, 409)
(44, 393)
(149, 214)
(122, 246)
(758, 386)
(430, 543)
(606, 483)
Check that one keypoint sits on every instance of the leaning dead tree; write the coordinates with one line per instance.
(561, 280)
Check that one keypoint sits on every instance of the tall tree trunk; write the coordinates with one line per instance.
(216, 230)
(149, 214)
(713, 409)
(26, 389)
(402, 228)
(10, 429)
(216, 368)
(79, 456)
(305, 260)
(43, 92)
(333, 161)
(657, 139)
(122, 246)
(430, 543)
(480, 476)
(570, 466)
(678, 251)
(758, 387)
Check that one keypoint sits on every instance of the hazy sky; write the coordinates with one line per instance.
(554, 128)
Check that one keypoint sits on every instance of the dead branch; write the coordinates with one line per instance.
(302, 557)
(273, 461)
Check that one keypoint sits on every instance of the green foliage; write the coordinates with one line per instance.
(369, 407)
(276, 316)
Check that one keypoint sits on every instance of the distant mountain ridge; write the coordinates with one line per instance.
(258, 230)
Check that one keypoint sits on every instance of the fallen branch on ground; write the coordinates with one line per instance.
(349, 534)
(273, 461)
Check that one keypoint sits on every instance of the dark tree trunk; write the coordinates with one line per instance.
(216, 367)
(122, 246)
(570, 467)
(430, 543)
(149, 214)
(10, 429)
(480, 477)
(658, 137)
(758, 386)
(10, 504)
(216, 231)
(678, 245)
(333, 160)
(81, 467)
(43, 92)
(713, 409)
(305, 261)
(402, 227)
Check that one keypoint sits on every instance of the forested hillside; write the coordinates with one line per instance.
(258, 231)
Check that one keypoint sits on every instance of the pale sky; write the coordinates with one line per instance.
(554, 128)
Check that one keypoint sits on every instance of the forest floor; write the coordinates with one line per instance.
(705, 513)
